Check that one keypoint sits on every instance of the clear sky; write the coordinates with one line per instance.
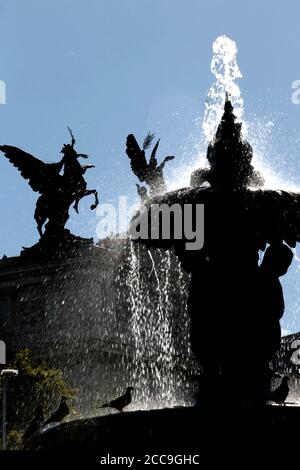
(107, 68)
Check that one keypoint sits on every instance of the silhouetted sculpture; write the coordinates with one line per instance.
(151, 173)
(270, 305)
(58, 191)
(121, 402)
(61, 413)
(142, 192)
(223, 297)
(229, 157)
(265, 303)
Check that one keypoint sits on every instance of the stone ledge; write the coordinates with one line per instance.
(182, 429)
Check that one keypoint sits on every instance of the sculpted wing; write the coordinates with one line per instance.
(153, 162)
(137, 157)
(41, 176)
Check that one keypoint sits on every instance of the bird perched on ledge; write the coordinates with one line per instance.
(120, 402)
(62, 411)
(279, 395)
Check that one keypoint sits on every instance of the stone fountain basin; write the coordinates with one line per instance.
(263, 213)
(178, 429)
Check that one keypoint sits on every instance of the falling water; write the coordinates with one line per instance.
(139, 315)
(159, 363)
(163, 332)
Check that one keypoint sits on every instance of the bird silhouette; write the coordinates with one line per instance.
(279, 395)
(62, 411)
(120, 402)
(36, 424)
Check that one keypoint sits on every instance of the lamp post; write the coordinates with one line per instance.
(2, 352)
(5, 373)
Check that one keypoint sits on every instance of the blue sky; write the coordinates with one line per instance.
(107, 68)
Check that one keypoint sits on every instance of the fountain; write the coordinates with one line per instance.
(239, 221)
(158, 290)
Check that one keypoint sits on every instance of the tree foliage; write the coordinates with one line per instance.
(36, 384)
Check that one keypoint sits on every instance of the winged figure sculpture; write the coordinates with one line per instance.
(59, 184)
(150, 172)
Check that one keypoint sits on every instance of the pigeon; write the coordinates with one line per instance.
(62, 411)
(121, 402)
(279, 395)
(36, 424)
